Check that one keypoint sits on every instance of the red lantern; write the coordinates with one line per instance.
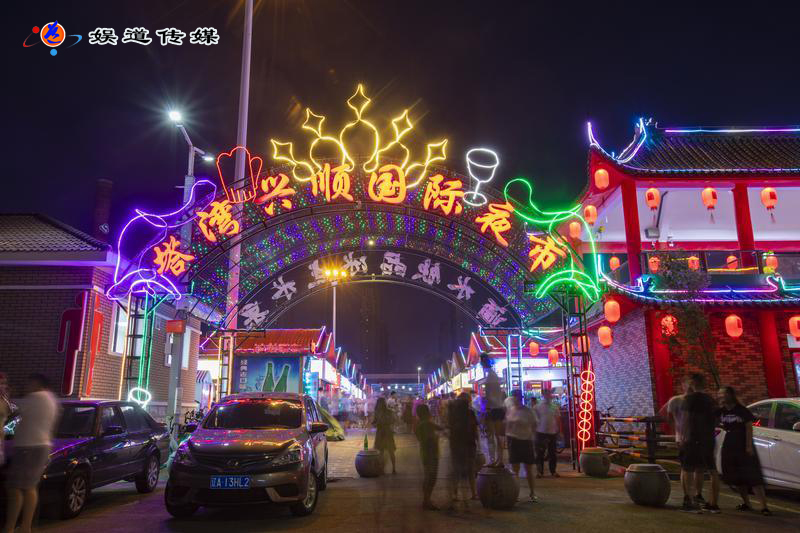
(654, 263)
(694, 262)
(552, 356)
(575, 229)
(601, 178)
(653, 198)
(709, 198)
(733, 326)
(533, 348)
(613, 263)
(669, 325)
(612, 311)
(771, 261)
(769, 197)
(590, 214)
(732, 262)
(582, 344)
(794, 327)
(604, 336)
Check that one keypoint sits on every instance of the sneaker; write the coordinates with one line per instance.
(699, 500)
(533, 499)
(743, 507)
(689, 506)
(713, 509)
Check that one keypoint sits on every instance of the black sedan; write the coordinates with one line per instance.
(97, 443)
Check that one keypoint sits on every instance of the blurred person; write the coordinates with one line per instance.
(675, 411)
(696, 452)
(495, 413)
(427, 435)
(323, 399)
(740, 465)
(521, 424)
(384, 422)
(5, 413)
(414, 417)
(463, 432)
(344, 411)
(33, 438)
(548, 415)
(408, 414)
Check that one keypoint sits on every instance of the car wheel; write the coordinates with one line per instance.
(184, 510)
(148, 479)
(76, 492)
(306, 507)
(322, 480)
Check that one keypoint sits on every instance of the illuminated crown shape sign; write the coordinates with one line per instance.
(304, 169)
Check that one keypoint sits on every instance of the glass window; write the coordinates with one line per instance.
(786, 416)
(119, 329)
(311, 413)
(133, 418)
(76, 421)
(761, 413)
(256, 414)
(110, 417)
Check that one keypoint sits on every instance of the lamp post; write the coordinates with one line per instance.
(419, 369)
(334, 276)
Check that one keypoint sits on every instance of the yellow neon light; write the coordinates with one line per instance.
(284, 152)
(358, 103)
(315, 126)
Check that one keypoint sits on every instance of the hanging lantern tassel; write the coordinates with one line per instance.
(769, 197)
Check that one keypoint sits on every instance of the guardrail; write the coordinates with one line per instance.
(655, 441)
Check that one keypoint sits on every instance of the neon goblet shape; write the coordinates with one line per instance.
(481, 166)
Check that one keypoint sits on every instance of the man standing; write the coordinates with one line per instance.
(696, 451)
(495, 411)
(520, 427)
(32, 442)
(675, 411)
(549, 414)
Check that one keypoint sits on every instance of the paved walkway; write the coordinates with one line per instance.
(392, 504)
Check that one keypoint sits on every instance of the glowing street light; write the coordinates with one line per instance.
(175, 116)
(333, 276)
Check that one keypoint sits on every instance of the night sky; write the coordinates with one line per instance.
(522, 77)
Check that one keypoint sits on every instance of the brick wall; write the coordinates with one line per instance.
(782, 323)
(622, 371)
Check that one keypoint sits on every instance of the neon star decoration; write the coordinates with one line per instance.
(378, 152)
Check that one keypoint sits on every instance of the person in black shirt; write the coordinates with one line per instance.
(740, 465)
(696, 451)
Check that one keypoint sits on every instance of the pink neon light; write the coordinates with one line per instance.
(732, 130)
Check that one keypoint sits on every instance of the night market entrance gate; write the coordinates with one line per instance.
(240, 252)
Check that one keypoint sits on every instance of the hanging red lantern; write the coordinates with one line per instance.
(533, 348)
(601, 178)
(732, 262)
(604, 336)
(580, 344)
(613, 263)
(771, 260)
(612, 311)
(794, 327)
(769, 197)
(552, 356)
(694, 262)
(575, 229)
(654, 263)
(653, 198)
(669, 325)
(590, 214)
(733, 326)
(709, 198)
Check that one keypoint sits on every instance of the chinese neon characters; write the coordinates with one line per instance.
(169, 258)
(498, 220)
(219, 217)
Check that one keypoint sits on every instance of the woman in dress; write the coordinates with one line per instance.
(384, 421)
(740, 465)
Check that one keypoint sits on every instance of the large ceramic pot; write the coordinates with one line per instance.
(369, 463)
(595, 462)
(497, 488)
(647, 484)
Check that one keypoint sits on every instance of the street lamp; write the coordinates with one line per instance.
(419, 369)
(335, 275)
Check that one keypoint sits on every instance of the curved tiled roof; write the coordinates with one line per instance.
(39, 233)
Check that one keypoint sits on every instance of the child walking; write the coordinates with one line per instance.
(429, 453)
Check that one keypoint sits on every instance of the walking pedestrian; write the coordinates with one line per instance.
(5, 412)
(32, 442)
(428, 437)
(740, 465)
(463, 431)
(344, 411)
(494, 409)
(548, 415)
(696, 452)
(408, 414)
(675, 411)
(521, 425)
(384, 422)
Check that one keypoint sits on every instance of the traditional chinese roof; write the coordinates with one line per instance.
(720, 297)
(709, 151)
(39, 237)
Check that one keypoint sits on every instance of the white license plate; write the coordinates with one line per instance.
(230, 482)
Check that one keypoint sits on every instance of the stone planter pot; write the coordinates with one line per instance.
(595, 462)
(647, 484)
(497, 488)
(369, 463)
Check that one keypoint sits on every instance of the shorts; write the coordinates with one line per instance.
(696, 456)
(27, 466)
(520, 451)
(497, 414)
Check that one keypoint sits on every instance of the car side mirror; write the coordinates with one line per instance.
(796, 426)
(110, 431)
(190, 428)
(319, 427)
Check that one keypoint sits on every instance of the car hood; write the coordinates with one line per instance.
(243, 440)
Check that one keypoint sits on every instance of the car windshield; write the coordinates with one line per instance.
(256, 414)
(76, 421)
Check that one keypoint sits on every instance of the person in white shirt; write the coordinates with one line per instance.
(33, 436)
(521, 425)
(495, 412)
(548, 414)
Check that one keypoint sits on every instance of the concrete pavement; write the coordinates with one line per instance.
(392, 504)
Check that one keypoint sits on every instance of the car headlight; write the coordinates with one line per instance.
(294, 454)
(184, 457)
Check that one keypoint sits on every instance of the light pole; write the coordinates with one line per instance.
(419, 369)
(334, 276)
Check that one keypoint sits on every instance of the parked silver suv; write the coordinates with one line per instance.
(252, 448)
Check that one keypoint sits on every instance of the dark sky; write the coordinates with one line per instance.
(523, 77)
